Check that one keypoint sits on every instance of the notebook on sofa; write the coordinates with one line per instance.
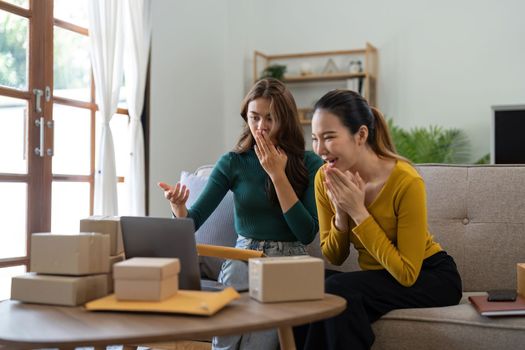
(498, 308)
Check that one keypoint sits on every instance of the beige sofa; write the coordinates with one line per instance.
(477, 213)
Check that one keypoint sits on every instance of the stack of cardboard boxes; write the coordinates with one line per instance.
(74, 268)
(66, 269)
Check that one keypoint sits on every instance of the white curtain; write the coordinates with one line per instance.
(137, 15)
(106, 41)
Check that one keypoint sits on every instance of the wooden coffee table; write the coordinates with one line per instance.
(29, 326)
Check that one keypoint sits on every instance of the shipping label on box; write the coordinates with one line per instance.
(75, 254)
(109, 225)
(286, 278)
(58, 290)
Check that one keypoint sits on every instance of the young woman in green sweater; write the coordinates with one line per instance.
(272, 180)
(370, 197)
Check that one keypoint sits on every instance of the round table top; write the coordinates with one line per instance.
(32, 325)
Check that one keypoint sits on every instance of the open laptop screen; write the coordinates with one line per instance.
(164, 238)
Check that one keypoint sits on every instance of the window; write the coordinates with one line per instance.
(48, 114)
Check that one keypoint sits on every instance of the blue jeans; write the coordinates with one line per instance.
(235, 273)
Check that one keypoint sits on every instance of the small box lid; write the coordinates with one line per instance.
(146, 268)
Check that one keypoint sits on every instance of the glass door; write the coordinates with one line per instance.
(74, 112)
(48, 126)
(26, 132)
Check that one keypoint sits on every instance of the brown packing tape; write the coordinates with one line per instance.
(228, 252)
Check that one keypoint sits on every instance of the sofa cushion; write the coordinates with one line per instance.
(217, 230)
(452, 327)
(476, 213)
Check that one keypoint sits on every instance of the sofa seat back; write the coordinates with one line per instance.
(477, 214)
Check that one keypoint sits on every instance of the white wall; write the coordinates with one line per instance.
(187, 81)
(441, 63)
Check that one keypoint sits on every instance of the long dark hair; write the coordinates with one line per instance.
(288, 132)
(353, 111)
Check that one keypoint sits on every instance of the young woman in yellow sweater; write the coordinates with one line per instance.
(370, 197)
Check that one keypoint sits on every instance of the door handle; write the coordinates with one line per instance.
(39, 123)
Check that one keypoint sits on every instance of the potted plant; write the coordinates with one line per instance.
(274, 71)
(431, 145)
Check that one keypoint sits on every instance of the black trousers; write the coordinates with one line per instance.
(371, 294)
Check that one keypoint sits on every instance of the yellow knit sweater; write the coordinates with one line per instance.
(394, 237)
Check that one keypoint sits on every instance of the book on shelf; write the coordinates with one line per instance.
(498, 308)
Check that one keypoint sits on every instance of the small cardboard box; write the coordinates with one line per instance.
(58, 290)
(152, 279)
(520, 269)
(286, 278)
(109, 225)
(76, 254)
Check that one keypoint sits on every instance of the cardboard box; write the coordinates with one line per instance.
(58, 290)
(286, 278)
(152, 279)
(112, 261)
(109, 225)
(76, 254)
(520, 269)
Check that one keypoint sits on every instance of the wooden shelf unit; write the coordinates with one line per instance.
(322, 77)
(368, 57)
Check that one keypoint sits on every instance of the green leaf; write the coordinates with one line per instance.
(274, 71)
(433, 144)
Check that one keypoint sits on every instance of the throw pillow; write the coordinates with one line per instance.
(218, 229)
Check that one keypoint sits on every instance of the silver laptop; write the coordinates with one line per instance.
(166, 238)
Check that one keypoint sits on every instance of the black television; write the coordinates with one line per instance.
(508, 135)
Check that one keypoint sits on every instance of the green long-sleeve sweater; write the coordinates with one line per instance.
(255, 215)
